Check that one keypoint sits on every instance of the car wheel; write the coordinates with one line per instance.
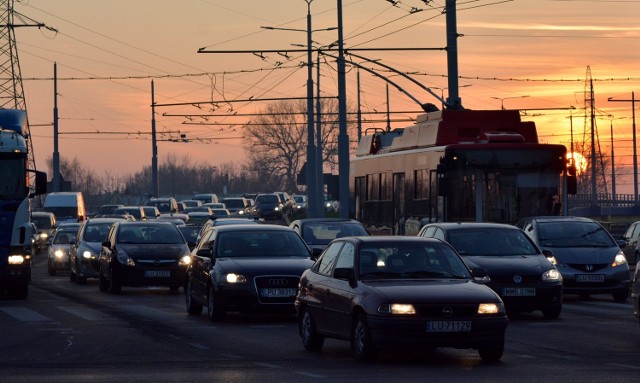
(621, 295)
(114, 284)
(72, 275)
(51, 269)
(215, 310)
(552, 312)
(491, 353)
(361, 343)
(103, 283)
(310, 338)
(193, 308)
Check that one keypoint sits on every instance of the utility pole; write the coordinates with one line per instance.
(56, 153)
(343, 138)
(635, 152)
(11, 88)
(154, 147)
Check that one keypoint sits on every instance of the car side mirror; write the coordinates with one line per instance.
(106, 244)
(205, 252)
(315, 253)
(480, 275)
(547, 253)
(621, 243)
(345, 273)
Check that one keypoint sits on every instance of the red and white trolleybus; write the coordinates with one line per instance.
(457, 165)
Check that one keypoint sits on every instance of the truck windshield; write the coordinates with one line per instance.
(12, 174)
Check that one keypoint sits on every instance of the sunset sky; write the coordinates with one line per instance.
(524, 54)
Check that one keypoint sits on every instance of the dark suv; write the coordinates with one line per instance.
(268, 206)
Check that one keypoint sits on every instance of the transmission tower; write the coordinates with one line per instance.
(11, 89)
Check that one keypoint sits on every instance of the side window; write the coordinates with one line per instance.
(325, 264)
(429, 231)
(111, 234)
(439, 234)
(206, 240)
(636, 231)
(345, 259)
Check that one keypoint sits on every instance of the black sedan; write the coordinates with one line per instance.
(521, 273)
(143, 253)
(245, 268)
(380, 292)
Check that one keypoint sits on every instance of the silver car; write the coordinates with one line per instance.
(589, 259)
(58, 252)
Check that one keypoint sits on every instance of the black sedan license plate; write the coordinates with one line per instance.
(589, 277)
(278, 292)
(519, 291)
(448, 326)
(157, 273)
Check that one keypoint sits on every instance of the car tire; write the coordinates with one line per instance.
(193, 308)
(621, 295)
(114, 285)
(51, 269)
(361, 342)
(72, 275)
(215, 310)
(307, 328)
(103, 283)
(491, 353)
(552, 312)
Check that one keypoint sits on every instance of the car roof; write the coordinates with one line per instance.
(253, 227)
(105, 220)
(559, 218)
(381, 239)
(470, 225)
(329, 220)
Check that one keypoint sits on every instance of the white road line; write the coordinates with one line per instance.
(268, 365)
(87, 314)
(199, 346)
(629, 366)
(317, 376)
(26, 315)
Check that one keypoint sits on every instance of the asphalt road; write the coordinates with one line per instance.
(66, 332)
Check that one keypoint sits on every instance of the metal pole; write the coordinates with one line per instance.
(154, 147)
(359, 108)
(319, 152)
(453, 101)
(343, 138)
(56, 154)
(312, 197)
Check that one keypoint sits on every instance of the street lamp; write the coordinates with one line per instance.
(506, 98)
(445, 88)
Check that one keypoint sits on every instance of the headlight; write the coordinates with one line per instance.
(552, 275)
(619, 260)
(88, 255)
(490, 308)
(125, 260)
(397, 309)
(185, 260)
(240, 212)
(553, 260)
(58, 253)
(44, 235)
(235, 278)
(16, 259)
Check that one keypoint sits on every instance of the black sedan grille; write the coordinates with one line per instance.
(588, 267)
(446, 311)
(508, 278)
(276, 289)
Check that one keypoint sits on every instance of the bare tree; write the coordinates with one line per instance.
(276, 142)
